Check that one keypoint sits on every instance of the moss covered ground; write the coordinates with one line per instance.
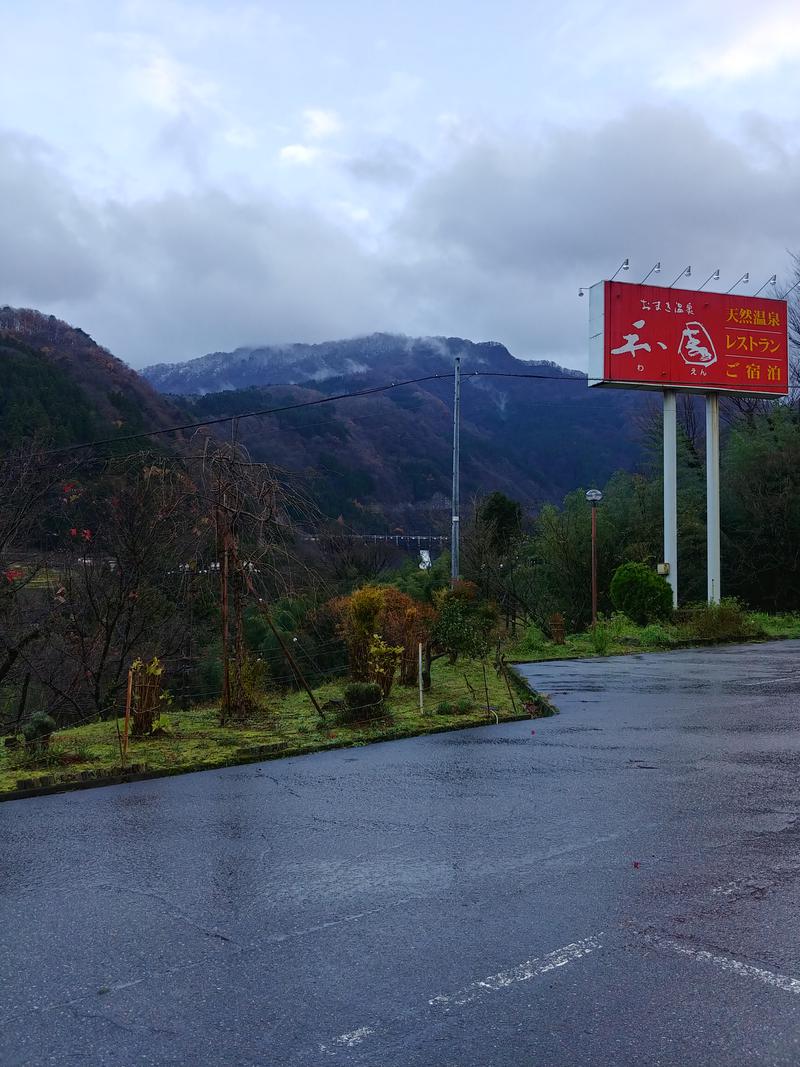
(287, 725)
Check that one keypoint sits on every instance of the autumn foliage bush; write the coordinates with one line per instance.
(382, 628)
(358, 619)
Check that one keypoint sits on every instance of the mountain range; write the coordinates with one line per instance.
(529, 428)
(382, 461)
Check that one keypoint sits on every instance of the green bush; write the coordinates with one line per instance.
(37, 731)
(534, 639)
(640, 593)
(725, 621)
(601, 638)
(362, 700)
(655, 636)
(444, 707)
(621, 627)
(464, 705)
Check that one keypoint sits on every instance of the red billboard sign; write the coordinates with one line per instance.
(657, 338)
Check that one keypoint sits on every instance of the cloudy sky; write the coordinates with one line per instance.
(181, 177)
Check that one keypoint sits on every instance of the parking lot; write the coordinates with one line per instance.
(618, 884)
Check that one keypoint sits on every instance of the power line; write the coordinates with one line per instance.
(244, 415)
(307, 404)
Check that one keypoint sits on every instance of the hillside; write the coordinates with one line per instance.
(60, 386)
(381, 462)
(386, 458)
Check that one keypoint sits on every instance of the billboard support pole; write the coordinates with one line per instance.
(671, 491)
(712, 496)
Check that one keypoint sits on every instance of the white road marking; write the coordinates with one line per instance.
(523, 972)
(727, 889)
(354, 1038)
(725, 963)
(791, 677)
(571, 953)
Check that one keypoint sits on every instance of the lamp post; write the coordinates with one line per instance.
(594, 496)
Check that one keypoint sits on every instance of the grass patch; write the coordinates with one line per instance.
(617, 635)
(785, 625)
(289, 725)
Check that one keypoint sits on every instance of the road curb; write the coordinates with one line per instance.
(243, 757)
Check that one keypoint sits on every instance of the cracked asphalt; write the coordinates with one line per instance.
(619, 884)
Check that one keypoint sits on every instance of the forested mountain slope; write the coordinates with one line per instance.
(383, 461)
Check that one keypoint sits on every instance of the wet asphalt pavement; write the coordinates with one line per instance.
(620, 887)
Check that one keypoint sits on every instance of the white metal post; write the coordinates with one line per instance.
(712, 496)
(671, 491)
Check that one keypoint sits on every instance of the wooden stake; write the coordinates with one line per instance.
(127, 715)
(119, 742)
(504, 669)
(419, 675)
(292, 663)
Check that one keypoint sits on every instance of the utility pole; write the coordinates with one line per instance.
(454, 525)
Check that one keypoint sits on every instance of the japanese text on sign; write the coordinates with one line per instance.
(671, 338)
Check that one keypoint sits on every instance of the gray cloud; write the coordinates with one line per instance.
(516, 228)
(493, 246)
(657, 179)
(388, 162)
(175, 276)
(49, 234)
(211, 271)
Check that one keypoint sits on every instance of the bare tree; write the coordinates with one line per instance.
(248, 505)
(30, 485)
(113, 589)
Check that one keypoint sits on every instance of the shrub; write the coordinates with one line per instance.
(640, 593)
(382, 628)
(725, 621)
(621, 627)
(362, 700)
(383, 660)
(601, 638)
(444, 707)
(359, 617)
(362, 694)
(37, 732)
(534, 640)
(655, 636)
(464, 624)
(464, 705)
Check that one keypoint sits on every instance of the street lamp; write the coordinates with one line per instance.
(594, 496)
(685, 273)
(744, 278)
